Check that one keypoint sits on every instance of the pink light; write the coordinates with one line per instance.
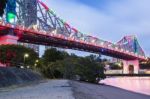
(75, 30)
(8, 25)
(66, 24)
(44, 5)
(1, 22)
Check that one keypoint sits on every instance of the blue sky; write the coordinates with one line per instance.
(107, 19)
(95, 3)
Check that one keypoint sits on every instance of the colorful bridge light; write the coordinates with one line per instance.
(116, 48)
(102, 43)
(75, 30)
(11, 17)
(66, 24)
(122, 50)
(11, 11)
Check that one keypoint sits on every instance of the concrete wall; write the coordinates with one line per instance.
(113, 72)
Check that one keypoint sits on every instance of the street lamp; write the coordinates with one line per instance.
(36, 62)
(26, 55)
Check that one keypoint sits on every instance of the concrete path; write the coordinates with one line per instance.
(52, 89)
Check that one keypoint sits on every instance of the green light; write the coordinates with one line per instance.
(11, 17)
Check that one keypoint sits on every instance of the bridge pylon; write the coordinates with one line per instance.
(130, 66)
(8, 39)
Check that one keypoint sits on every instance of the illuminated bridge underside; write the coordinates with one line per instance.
(35, 37)
(40, 25)
(70, 44)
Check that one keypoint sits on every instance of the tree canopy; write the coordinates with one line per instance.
(13, 55)
(55, 63)
(145, 64)
(59, 64)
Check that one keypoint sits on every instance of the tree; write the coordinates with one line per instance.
(90, 70)
(116, 66)
(52, 55)
(145, 64)
(13, 55)
(59, 64)
(67, 67)
(50, 60)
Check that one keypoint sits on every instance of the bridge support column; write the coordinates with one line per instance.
(7, 39)
(131, 66)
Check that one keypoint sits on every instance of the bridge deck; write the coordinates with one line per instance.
(58, 40)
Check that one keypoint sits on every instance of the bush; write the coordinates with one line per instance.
(90, 70)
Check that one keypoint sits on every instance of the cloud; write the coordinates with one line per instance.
(110, 22)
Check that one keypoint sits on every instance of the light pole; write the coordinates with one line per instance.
(26, 55)
(36, 62)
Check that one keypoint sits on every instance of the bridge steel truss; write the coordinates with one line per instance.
(37, 24)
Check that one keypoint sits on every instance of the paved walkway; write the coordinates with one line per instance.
(52, 89)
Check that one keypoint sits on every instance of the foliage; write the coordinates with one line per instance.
(90, 70)
(55, 63)
(63, 65)
(116, 66)
(13, 55)
(145, 64)
(68, 66)
(49, 61)
(52, 55)
(61, 69)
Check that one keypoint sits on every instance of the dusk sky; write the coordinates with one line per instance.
(107, 19)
